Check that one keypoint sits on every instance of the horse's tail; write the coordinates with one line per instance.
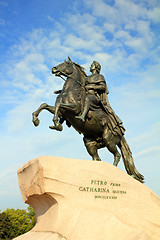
(128, 161)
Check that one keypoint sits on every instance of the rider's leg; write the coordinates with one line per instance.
(91, 148)
(85, 110)
(110, 143)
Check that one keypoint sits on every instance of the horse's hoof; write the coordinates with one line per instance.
(58, 128)
(53, 127)
(36, 122)
(97, 159)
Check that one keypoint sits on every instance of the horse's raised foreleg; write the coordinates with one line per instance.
(35, 114)
(43, 106)
(91, 146)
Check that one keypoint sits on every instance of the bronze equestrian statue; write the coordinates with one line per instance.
(84, 105)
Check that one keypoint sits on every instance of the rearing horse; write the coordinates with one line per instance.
(69, 104)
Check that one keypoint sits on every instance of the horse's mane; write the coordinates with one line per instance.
(82, 69)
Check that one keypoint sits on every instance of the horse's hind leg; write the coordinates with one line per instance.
(111, 141)
(91, 146)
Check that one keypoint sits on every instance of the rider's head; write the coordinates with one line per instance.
(95, 66)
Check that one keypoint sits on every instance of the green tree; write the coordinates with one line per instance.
(21, 221)
(32, 217)
(5, 226)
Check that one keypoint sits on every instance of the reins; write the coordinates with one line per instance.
(70, 77)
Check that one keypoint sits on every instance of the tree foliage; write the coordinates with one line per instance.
(5, 226)
(16, 222)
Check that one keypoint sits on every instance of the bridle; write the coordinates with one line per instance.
(61, 72)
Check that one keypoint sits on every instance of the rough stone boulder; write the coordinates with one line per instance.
(80, 199)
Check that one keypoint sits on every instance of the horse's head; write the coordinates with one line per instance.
(65, 68)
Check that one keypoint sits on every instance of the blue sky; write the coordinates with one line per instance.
(123, 35)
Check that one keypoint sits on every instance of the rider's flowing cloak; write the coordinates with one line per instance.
(115, 123)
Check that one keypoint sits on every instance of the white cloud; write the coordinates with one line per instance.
(154, 14)
(102, 9)
(87, 36)
(136, 43)
(78, 43)
(130, 10)
(109, 27)
(121, 34)
(120, 12)
(25, 72)
(131, 26)
(109, 62)
(149, 151)
(50, 18)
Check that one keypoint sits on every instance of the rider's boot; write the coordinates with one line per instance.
(85, 111)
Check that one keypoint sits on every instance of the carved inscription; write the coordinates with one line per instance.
(104, 189)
